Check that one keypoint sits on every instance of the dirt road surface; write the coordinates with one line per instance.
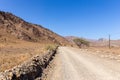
(76, 64)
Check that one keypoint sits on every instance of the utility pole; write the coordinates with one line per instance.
(109, 42)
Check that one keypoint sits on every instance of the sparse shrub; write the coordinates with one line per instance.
(81, 42)
(51, 47)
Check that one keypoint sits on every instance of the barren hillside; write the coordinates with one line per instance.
(14, 27)
(21, 40)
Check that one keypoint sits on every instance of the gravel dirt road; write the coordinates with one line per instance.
(76, 64)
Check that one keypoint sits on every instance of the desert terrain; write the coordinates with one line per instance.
(83, 64)
(13, 54)
(20, 41)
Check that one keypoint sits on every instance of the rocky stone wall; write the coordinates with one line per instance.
(29, 70)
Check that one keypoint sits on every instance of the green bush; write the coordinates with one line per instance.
(81, 42)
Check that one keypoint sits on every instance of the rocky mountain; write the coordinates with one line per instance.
(14, 27)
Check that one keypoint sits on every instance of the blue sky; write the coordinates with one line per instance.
(83, 18)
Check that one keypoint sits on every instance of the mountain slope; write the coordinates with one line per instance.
(13, 26)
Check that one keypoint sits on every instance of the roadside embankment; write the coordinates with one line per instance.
(30, 69)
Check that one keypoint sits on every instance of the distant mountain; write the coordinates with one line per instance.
(102, 39)
(13, 27)
(70, 38)
(101, 42)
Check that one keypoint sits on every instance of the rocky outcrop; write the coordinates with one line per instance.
(29, 70)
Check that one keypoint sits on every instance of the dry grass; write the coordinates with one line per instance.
(12, 54)
(113, 50)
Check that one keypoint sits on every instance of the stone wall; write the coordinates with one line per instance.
(29, 70)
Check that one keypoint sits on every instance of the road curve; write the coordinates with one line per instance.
(76, 64)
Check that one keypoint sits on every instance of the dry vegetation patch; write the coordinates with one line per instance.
(105, 52)
(12, 54)
(113, 50)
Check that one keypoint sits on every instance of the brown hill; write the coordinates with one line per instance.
(13, 27)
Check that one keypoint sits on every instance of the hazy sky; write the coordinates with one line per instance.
(83, 18)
